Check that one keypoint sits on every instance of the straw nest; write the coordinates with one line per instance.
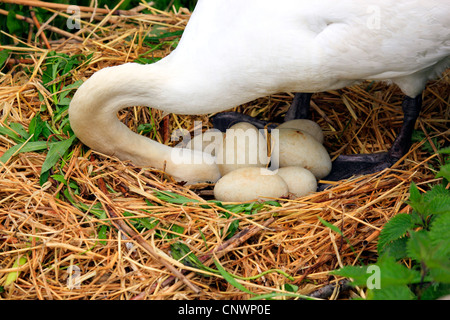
(111, 259)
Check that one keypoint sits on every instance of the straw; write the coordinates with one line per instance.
(79, 227)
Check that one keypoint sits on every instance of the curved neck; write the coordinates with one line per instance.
(93, 117)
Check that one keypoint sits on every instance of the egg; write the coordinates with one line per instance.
(243, 146)
(249, 184)
(300, 181)
(209, 141)
(297, 148)
(304, 125)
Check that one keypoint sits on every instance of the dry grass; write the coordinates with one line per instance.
(59, 238)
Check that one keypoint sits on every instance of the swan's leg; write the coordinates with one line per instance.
(411, 110)
(222, 121)
(299, 109)
(344, 166)
(347, 165)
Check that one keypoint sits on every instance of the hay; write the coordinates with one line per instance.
(87, 236)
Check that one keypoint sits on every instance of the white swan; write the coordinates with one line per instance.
(234, 51)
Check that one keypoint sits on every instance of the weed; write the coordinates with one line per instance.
(20, 28)
(419, 239)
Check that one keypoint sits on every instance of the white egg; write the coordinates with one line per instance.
(296, 148)
(248, 184)
(209, 141)
(304, 125)
(300, 182)
(243, 146)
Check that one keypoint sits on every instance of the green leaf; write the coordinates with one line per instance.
(331, 226)
(56, 151)
(438, 205)
(435, 201)
(427, 146)
(273, 203)
(396, 249)
(145, 128)
(415, 198)
(439, 261)
(434, 258)
(142, 223)
(439, 232)
(291, 287)
(36, 127)
(23, 147)
(59, 178)
(444, 150)
(13, 276)
(418, 246)
(4, 55)
(14, 25)
(232, 228)
(174, 198)
(11, 134)
(358, 274)
(414, 193)
(148, 223)
(435, 291)
(103, 234)
(439, 271)
(43, 178)
(155, 39)
(436, 190)
(393, 273)
(183, 253)
(66, 90)
(444, 172)
(230, 279)
(399, 292)
(177, 229)
(390, 273)
(394, 229)
(17, 127)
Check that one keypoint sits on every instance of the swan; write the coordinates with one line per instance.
(235, 51)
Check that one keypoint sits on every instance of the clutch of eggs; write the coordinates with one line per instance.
(296, 148)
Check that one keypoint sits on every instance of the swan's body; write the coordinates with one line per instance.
(235, 51)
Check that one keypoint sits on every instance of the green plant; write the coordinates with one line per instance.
(54, 134)
(31, 141)
(20, 28)
(230, 209)
(419, 239)
(181, 252)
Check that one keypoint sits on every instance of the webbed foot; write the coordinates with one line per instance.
(345, 166)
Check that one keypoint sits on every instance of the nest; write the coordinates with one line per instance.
(106, 229)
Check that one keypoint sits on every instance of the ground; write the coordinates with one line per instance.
(93, 227)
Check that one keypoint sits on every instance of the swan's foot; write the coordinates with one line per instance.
(345, 166)
(299, 109)
(222, 121)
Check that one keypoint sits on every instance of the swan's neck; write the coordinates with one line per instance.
(93, 117)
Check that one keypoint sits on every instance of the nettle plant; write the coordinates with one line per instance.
(413, 248)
